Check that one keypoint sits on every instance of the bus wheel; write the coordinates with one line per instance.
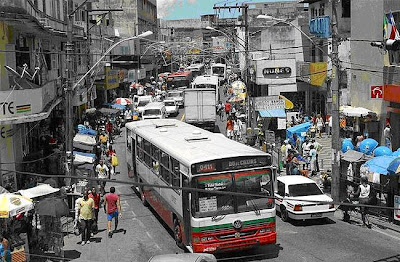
(178, 233)
(143, 198)
(284, 214)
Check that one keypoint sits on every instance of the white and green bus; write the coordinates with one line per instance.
(173, 153)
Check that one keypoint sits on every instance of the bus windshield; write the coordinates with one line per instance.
(256, 182)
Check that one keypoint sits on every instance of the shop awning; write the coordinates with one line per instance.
(355, 111)
(279, 112)
(354, 156)
(31, 117)
(37, 191)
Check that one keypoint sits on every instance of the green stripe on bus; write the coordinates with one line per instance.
(229, 225)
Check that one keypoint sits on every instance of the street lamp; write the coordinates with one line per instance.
(151, 45)
(334, 84)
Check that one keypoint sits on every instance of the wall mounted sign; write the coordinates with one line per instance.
(277, 71)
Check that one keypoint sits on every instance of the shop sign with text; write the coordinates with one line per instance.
(268, 102)
(112, 78)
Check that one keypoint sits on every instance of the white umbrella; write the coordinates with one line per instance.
(12, 205)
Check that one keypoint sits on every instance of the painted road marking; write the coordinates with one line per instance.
(139, 222)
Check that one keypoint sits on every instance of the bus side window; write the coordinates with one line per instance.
(176, 176)
(165, 173)
(146, 147)
(139, 148)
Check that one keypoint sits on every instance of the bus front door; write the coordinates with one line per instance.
(186, 211)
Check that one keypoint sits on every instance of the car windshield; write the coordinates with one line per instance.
(169, 103)
(308, 189)
(174, 94)
(252, 182)
(151, 112)
(218, 70)
(143, 102)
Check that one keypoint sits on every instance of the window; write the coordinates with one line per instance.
(176, 177)
(308, 189)
(147, 152)
(281, 188)
(346, 11)
(322, 10)
(139, 148)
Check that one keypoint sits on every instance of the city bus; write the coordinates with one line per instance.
(170, 152)
(180, 79)
(219, 70)
(196, 69)
(207, 81)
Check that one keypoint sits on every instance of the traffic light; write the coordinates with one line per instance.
(172, 31)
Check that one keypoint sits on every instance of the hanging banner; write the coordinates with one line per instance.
(318, 72)
(112, 78)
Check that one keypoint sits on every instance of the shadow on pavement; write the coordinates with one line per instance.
(312, 222)
(72, 254)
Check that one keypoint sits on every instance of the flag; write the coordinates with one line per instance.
(394, 34)
(386, 32)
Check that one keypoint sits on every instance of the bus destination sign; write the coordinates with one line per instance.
(232, 164)
(206, 167)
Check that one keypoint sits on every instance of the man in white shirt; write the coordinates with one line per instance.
(102, 172)
(387, 135)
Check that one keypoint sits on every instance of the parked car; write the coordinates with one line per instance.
(177, 96)
(171, 107)
(184, 257)
(293, 196)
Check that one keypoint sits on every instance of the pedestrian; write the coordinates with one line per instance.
(288, 156)
(220, 110)
(96, 198)
(102, 172)
(359, 139)
(227, 108)
(240, 128)
(363, 195)
(283, 153)
(113, 209)
(109, 129)
(318, 148)
(229, 128)
(306, 152)
(110, 154)
(128, 115)
(84, 212)
(236, 128)
(5, 249)
(388, 136)
(103, 139)
(320, 124)
(313, 159)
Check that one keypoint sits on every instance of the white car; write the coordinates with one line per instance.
(300, 198)
(177, 95)
(171, 107)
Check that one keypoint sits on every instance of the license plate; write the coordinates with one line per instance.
(316, 215)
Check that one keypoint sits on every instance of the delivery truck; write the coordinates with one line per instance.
(200, 107)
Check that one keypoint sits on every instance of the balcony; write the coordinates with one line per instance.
(17, 11)
(320, 26)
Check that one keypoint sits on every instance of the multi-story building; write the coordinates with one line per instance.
(32, 73)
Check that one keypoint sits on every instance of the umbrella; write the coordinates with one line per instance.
(12, 205)
(134, 85)
(123, 101)
(382, 151)
(347, 145)
(367, 146)
(118, 106)
(288, 104)
(394, 166)
(52, 206)
(235, 99)
(379, 164)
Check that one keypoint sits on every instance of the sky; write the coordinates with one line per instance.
(180, 9)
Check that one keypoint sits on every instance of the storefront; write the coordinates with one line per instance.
(391, 93)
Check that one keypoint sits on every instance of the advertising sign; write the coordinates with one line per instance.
(376, 92)
(112, 78)
(318, 73)
(268, 102)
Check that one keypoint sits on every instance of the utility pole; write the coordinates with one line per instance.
(69, 125)
(335, 190)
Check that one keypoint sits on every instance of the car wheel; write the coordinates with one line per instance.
(178, 233)
(284, 214)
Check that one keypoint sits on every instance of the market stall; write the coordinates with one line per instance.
(12, 210)
(358, 120)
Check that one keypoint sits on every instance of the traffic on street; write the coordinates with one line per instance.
(204, 131)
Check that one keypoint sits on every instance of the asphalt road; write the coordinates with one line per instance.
(146, 236)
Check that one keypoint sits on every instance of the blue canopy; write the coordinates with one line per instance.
(279, 112)
(84, 154)
(298, 129)
(88, 131)
(379, 164)
(118, 106)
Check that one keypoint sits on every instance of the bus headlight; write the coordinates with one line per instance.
(204, 239)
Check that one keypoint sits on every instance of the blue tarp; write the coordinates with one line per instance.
(88, 131)
(299, 129)
(84, 154)
(118, 106)
(379, 164)
(279, 112)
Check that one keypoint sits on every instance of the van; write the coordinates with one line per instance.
(141, 102)
(176, 95)
(154, 110)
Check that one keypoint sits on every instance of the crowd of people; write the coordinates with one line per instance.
(234, 125)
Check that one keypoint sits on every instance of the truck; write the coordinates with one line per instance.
(200, 107)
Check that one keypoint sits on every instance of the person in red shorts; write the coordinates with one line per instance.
(112, 208)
